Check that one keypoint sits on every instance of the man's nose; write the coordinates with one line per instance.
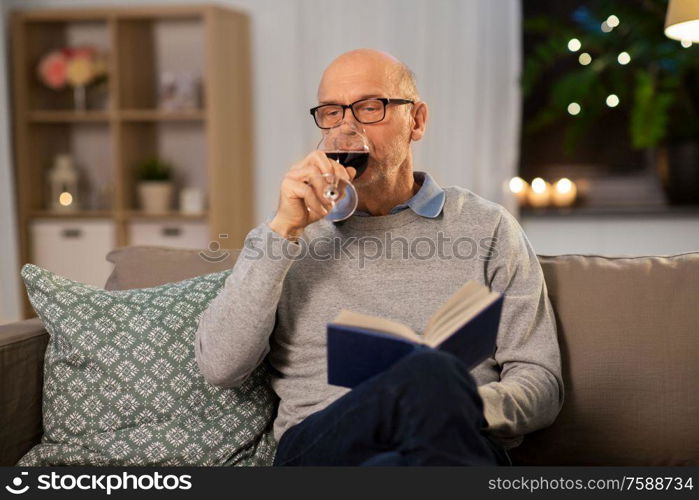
(349, 124)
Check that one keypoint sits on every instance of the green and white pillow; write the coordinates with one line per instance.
(122, 386)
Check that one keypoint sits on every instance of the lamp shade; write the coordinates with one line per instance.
(682, 20)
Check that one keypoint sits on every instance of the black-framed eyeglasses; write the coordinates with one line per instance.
(365, 111)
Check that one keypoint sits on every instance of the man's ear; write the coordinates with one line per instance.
(420, 115)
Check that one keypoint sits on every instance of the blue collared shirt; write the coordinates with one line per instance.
(427, 202)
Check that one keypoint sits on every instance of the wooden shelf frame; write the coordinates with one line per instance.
(226, 118)
(125, 115)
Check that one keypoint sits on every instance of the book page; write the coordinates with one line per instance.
(457, 303)
(456, 312)
(444, 330)
(383, 325)
(466, 293)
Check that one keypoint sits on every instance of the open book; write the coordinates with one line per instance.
(361, 346)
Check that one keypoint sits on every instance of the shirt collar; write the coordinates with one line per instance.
(427, 202)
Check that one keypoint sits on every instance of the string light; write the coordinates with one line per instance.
(624, 58)
(686, 43)
(574, 108)
(574, 45)
(605, 27)
(612, 100)
(585, 59)
(613, 21)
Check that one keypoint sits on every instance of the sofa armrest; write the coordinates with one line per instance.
(22, 347)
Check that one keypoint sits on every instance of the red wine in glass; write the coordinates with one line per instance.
(356, 159)
(348, 145)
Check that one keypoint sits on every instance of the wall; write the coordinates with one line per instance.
(465, 53)
(9, 280)
(617, 235)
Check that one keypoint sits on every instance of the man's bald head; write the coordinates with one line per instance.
(381, 65)
(365, 74)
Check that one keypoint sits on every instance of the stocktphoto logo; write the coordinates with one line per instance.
(214, 253)
(16, 488)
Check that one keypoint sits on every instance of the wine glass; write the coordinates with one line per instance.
(347, 145)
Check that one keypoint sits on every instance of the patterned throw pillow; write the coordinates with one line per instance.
(122, 387)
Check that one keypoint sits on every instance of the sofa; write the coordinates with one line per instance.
(628, 330)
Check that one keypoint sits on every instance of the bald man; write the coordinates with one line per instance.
(298, 269)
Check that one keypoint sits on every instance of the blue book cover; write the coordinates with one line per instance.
(358, 353)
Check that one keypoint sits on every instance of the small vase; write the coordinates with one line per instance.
(79, 98)
(155, 196)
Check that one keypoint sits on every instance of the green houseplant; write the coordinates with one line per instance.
(155, 185)
(655, 84)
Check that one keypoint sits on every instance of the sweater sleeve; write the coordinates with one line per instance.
(530, 392)
(233, 334)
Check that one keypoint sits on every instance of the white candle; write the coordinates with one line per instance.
(540, 193)
(519, 188)
(564, 193)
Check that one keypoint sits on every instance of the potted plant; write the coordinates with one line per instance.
(613, 57)
(155, 185)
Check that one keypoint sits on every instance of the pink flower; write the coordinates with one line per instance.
(52, 69)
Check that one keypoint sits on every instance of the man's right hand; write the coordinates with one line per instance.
(301, 200)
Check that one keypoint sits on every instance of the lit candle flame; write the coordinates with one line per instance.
(65, 199)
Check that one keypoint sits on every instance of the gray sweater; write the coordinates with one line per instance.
(401, 266)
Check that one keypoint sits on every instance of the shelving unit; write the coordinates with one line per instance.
(211, 147)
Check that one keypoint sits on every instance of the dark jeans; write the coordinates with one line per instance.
(424, 410)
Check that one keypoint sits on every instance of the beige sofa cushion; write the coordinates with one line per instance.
(629, 335)
(148, 266)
